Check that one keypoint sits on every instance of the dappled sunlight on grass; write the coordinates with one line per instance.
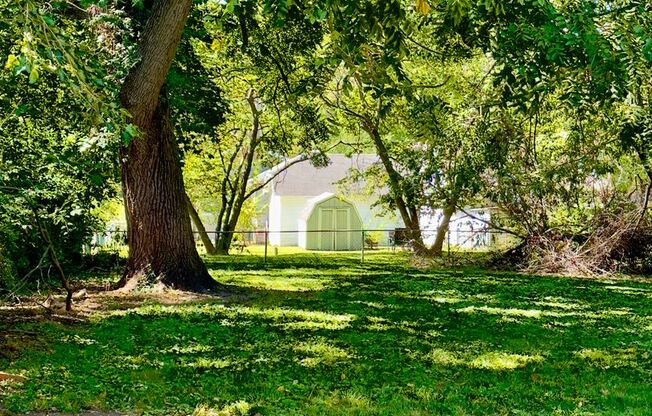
(557, 302)
(377, 323)
(525, 313)
(503, 361)
(617, 357)
(239, 408)
(294, 280)
(355, 403)
(483, 279)
(76, 339)
(283, 317)
(321, 352)
(436, 296)
(441, 357)
(442, 296)
(646, 324)
(490, 360)
(135, 362)
(271, 282)
(326, 335)
(188, 349)
(633, 291)
(516, 314)
(207, 363)
(375, 305)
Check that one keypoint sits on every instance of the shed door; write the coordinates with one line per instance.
(342, 223)
(326, 222)
(333, 223)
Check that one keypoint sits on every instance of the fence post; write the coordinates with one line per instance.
(362, 259)
(266, 238)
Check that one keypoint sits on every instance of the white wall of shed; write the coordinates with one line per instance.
(284, 215)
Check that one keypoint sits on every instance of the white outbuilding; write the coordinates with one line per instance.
(304, 206)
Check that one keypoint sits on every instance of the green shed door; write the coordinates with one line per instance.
(342, 223)
(326, 222)
(331, 221)
(328, 226)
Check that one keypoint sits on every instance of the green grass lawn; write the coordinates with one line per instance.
(326, 335)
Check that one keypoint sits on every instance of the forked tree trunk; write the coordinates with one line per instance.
(161, 245)
(409, 213)
(442, 230)
(224, 242)
(199, 225)
(229, 221)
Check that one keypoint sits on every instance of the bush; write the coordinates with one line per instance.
(372, 239)
(9, 257)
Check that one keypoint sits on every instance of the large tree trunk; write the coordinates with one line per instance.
(438, 246)
(199, 225)
(161, 245)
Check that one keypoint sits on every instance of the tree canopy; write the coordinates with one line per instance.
(525, 105)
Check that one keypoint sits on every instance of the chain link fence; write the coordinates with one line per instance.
(266, 243)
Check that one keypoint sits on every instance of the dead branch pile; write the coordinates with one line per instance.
(617, 242)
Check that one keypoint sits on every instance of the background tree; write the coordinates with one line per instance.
(159, 235)
(376, 84)
(261, 69)
(591, 58)
(437, 139)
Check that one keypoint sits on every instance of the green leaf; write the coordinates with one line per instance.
(12, 61)
(21, 109)
(33, 75)
(423, 7)
(129, 133)
(48, 20)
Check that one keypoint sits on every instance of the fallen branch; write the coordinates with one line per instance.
(55, 262)
(12, 377)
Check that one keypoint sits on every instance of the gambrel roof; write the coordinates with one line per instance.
(304, 179)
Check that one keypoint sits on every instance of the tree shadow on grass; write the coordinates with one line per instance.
(349, 338)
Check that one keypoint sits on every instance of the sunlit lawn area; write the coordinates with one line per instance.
(327, 335)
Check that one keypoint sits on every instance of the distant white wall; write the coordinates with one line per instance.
(429, 221)
(303, 236)
(464, 231)
(284, 214)
(274, 219)
(375, 219)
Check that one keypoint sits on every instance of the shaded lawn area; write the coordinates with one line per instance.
(326, 335)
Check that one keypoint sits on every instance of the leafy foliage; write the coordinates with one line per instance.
(269, 116)
(56, 167)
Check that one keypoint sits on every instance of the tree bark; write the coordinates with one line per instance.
(194, 216)
(437, 247)
(161, 244)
